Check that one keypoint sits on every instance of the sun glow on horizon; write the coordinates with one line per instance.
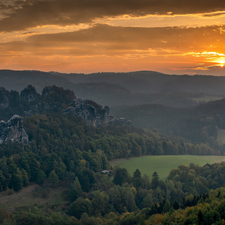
(220, 61)
(213, 57)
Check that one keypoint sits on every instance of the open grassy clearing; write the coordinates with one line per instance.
(163, 164)
(221, 136)
(207, 98)
(26, 197)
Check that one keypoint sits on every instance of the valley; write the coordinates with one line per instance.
(161, 151)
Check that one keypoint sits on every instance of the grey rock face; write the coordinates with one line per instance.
(13, 130)
(95, 114)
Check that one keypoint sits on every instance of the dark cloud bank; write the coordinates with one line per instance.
(34, 13)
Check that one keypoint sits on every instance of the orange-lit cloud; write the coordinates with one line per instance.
(22, 15)
(119, 41)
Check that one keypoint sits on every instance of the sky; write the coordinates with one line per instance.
(85, 36)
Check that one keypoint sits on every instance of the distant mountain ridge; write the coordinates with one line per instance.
(18, 80)
(138, 81)
(104, 93)
(119, 89)
(153, 82)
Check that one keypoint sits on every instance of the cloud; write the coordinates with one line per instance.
(33, 13)
(214, 14)
(108, 40)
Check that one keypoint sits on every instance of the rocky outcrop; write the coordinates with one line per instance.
(29, 94)
(13, 130)
(55, 100)
(95, 114)
(52, 99)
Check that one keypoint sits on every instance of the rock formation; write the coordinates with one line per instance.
(13, 130)
(55, 100)
(52, 99)
(29, 94)
(95, 114)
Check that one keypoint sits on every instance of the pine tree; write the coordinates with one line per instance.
(17, 182)
(11, 166)
(41, 177)
(75, 190)
(33, 167)
(155, 181)
(76, 184)
(53, 178)
(24, 164)
(25, 178)
(176, 205)
(166, 207)
(121, 176)
(137, 174)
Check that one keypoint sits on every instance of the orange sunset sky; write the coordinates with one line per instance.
(84, 36)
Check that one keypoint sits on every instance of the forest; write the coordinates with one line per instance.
(65, 152)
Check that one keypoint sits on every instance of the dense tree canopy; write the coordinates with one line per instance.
(64, 151)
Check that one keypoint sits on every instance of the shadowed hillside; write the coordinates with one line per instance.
(199, 124)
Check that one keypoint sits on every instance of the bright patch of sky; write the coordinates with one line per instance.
(192, 20)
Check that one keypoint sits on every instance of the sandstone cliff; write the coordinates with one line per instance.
(95, 114)
(13, 130)
(55, 99)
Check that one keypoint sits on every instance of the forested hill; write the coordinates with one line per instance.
(104, 93)
(153, 82)
(138, 82)
(199, 124)
(64, 152)
(18, 80)
(63, 146)
(116, 95)
(116, 89)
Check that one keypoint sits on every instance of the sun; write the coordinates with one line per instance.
(218, 59)
(220, 62)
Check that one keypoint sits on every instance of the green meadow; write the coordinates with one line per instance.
(163, 164)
